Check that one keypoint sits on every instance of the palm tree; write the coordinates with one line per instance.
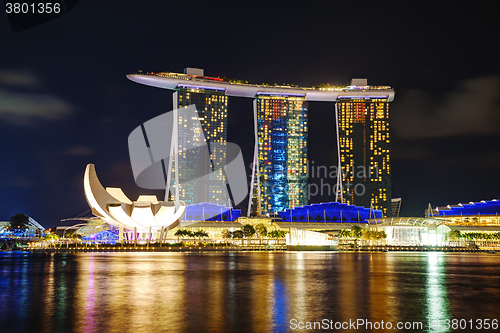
(200, 234)
(238, 234)
(356, 232)
(261, 230)
(248, 230)
(226, 233)
(277, 233)
(454, 235)
(179, 233)
(345, 233)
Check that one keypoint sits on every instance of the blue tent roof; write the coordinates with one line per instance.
(473, 208)
(206, 211)
(329, 212)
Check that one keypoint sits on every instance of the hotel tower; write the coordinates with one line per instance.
(280, 180)
(364, 150)
(279, 173)
(211, 106)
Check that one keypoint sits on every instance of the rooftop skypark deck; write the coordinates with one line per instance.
(326, 92)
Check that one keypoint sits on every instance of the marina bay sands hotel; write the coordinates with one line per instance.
(279, 175)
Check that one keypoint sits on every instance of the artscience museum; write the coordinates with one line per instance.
(146, 214)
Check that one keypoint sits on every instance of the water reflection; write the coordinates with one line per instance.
(436, 296)
(48, 291)
(280, 312)
(243, 292)
(89, 322)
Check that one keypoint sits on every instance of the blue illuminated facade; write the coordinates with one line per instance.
(105, 236)
(210, 212)
(473, 208)
(282, 153)
(333, 212)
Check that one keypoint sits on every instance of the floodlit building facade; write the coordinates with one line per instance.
(210, 212)
(329, 212)
(281, 180)
(147, 213)
(279, 176)
(211, 105)
(482, 213)
(364, 149)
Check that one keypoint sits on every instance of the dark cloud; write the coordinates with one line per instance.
(472, 108)
(22, 108)
(20, 78)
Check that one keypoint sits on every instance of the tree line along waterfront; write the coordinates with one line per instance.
(17, 235)
(257, 236)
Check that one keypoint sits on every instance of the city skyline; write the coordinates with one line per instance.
(382, 212)
(69, 104)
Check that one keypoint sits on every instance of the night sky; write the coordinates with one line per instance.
(65, 100)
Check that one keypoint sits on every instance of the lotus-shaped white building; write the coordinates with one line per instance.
(114, 207)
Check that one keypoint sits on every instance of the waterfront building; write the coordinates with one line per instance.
(409, 231)
(306, 240)
(468, 218)
(32, 228)
(482, 213)
(364, 149)
(146, 214)
(102, 237)
(331, 212)
(278, 180)
(281, 179)
(206, 211)
(211, 106)
(89, 226)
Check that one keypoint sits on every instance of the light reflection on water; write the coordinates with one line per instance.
(240, 292)
(437, 298)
